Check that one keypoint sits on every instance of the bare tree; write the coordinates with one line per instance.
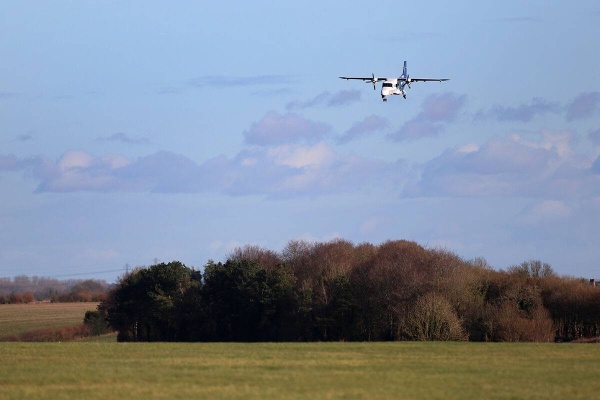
(431, 318)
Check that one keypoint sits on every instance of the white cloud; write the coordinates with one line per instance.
(301, 156)
(9, 162)
(78, 171)
(341, 98)
(595, 169)
(545, 211)
(416, 129)
(117, 161)
(442, 107)
(436, 110)
(583, 106)
(297, 170)
(287, 170)
(468, 148)
(509, 166)
(275, 129)
(344, 97)
(522, 113)
(594, 137)
(123, 138)
(75, 160)
(302, 105)
(512, 165)
(365, 127)
(24, 138)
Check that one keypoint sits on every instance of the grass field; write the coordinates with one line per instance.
(16, 319)
(408, 370)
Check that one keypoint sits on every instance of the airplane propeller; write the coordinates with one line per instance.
(373, 80)
(405, 80)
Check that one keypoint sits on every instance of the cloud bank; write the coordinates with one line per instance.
(288, 155)
(274, 171)
(275, 128)
(123, 138)
(547, 167)
(341, 98)
(510, 166)
(522, 113)
(436, 111)
(285, 156)
(370, 124)
(584, 106)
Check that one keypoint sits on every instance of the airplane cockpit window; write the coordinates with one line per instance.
(387, 84)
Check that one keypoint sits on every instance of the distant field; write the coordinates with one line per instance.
(16, 319)
(402, 370)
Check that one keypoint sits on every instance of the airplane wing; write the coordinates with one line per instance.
(424, 79)
(369, 79)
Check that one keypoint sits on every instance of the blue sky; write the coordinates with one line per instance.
(139, 131)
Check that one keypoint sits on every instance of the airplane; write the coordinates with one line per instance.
(395, 86)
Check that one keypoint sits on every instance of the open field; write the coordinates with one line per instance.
(16, 319)
(400, 370)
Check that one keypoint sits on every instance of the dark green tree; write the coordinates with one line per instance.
(95, 322)
(144, 305)
(246, 302)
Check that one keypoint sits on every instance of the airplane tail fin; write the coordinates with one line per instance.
(404, 80)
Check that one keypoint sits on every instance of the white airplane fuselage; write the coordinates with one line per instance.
(391, 87)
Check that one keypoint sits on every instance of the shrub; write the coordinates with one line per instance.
(64, 334)
(513, 325)
(432, 318)
(95, 322)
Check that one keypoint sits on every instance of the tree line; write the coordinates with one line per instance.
(25, 289)
(338, 291)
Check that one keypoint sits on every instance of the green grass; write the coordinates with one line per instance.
(104, 338)
(412, 370)
(16, 319)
